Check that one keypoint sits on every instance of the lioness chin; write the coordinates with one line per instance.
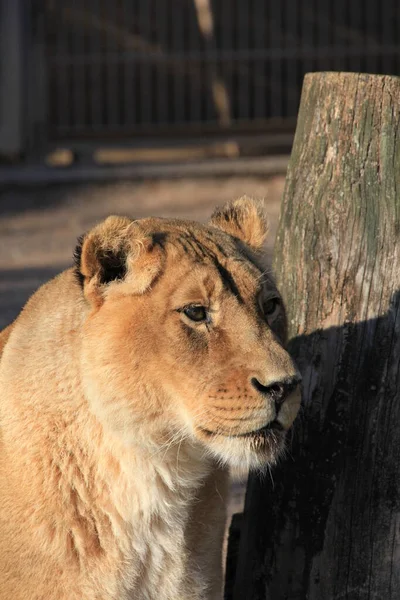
(128, 385)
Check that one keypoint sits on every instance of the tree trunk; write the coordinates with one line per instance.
(328, 526)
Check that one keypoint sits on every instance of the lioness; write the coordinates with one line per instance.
(128, 385)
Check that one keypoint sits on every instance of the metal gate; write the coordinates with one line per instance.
(114, 69)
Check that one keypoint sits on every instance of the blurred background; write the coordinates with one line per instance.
(164, 107)
(139, 80)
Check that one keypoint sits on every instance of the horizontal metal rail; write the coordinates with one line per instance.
(329, 52)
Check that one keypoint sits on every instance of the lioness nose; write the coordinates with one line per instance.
(277, 391)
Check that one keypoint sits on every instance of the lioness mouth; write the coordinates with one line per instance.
(263, 432)
(274, 426)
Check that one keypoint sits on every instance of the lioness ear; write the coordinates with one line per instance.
(115, 251)
(243, 218)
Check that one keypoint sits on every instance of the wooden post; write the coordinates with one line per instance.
(327, 527)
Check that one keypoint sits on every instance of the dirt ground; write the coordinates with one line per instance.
(39, 227)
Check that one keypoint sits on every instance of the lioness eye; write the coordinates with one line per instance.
(271, 308)
(196, 313)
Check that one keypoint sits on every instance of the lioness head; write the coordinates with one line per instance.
(184, 335)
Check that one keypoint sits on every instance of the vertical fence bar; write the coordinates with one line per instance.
(319, 37)
(60, 70)
(163, 31)
(244, 66)
(236, 65)
(388, 24)
(211, 66)
(307, 35)
(37, 75)
(355, 37)
(129, 63)
(194, 70)
(396, 65)
(259, 22)
(292, 84)
(78, 69)
(370, 24)
(110, 24)
(178, 75)
(337, 33)
(275, 36)
(145, 63)
(96, 91)
(227, 46)
(346, 41)
(11, 76)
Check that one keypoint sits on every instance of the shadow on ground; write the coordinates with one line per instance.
(17, 285)
(14, 200)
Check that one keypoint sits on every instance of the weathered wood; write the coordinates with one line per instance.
(232, 555)
(329, 526)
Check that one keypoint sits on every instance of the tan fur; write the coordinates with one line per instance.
(119, 415)
(4, 335)
(243, 218)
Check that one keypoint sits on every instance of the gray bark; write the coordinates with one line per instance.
(328, 527)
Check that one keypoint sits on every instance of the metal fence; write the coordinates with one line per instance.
(135, 68)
